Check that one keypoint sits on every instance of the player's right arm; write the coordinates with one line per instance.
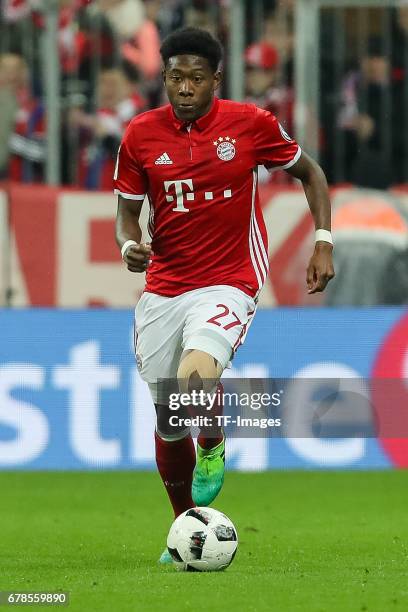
(136, 256)
(130, 185)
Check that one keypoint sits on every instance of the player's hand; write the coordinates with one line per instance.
(320, 269)
(137, 257)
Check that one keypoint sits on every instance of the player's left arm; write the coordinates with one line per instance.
(320, 269)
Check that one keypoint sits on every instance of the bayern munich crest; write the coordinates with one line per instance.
(225, 148)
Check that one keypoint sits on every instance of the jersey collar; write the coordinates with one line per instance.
(202, 123)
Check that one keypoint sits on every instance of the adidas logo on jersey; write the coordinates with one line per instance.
(163, 159)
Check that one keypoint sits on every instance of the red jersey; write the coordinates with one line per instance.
(200, 178)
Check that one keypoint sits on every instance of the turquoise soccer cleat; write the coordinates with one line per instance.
(208, 476)
(165, 557)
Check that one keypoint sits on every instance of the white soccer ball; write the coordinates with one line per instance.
(202, 540)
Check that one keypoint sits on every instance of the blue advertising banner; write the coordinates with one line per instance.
(71, 396)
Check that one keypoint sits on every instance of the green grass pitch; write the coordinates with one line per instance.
(309, 541)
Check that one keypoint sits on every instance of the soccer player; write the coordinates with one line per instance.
(196, 160)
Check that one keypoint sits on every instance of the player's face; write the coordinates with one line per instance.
(190, 85)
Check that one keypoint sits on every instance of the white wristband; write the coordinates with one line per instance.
(125, 247)
(324, 235)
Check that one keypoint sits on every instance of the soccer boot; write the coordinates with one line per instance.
(208, 475)
(165, 557)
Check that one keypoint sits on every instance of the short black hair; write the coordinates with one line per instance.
(192, 41)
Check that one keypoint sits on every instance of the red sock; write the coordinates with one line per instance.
(175, 462)
(212, 436)
(209, 443)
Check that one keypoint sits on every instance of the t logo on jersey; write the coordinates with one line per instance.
(178, 189)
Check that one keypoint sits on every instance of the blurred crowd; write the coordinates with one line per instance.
(110, 70)
(371, 109)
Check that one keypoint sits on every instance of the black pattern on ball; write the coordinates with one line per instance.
(225, 534)
(198, 539)
(175, 555)
(199, 515)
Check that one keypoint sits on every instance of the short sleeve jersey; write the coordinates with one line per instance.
(200, 179)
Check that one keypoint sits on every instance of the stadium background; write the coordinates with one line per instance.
(71, 76)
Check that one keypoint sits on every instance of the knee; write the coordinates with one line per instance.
(198, 371)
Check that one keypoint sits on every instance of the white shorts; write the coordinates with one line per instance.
(214, 320)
